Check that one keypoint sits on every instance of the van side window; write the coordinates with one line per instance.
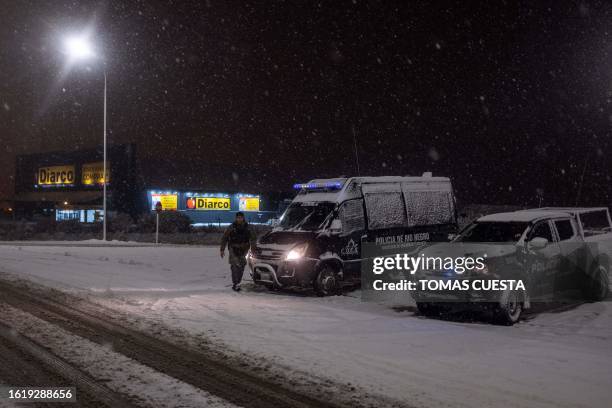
(351, 215)
(429, 207)
(541, 230)
(564, 229)
(385, 206)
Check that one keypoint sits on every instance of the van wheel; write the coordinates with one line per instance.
(326, 283)
(510, 308)
(597, 284)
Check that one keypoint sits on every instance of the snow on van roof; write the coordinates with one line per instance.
(380, 179)
(523, 216)
(338, 195)
(397, 179)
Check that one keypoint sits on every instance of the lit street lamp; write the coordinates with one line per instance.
(79, 48)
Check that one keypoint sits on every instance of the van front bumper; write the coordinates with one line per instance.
(281, 273)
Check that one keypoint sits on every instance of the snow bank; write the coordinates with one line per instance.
(85, 242)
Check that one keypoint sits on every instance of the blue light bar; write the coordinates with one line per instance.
(329, 185)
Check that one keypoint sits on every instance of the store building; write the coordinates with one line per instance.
(215, 207)
(69, 185)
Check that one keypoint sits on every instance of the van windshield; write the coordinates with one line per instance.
(493, 232)
(306, 216)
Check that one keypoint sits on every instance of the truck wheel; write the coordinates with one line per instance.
(326, 283)
(428, 309)
(509, 308)
(597, 284)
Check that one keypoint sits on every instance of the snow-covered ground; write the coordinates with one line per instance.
(561, 359)
(117, 372)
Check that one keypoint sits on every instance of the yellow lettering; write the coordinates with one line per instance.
(56, 175)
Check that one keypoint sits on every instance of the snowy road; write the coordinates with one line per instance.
(152, 372)
(560, 359)
(24, 363)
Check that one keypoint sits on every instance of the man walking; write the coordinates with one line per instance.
(238, 238)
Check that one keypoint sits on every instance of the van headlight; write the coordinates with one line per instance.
(297, 252)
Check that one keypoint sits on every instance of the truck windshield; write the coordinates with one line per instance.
(306, 216)
(493, 232)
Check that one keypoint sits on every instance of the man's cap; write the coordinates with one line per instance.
(239, 214)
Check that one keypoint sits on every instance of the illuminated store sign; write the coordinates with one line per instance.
(93, 174)
(208, 203)
(56, 175)
(168, 201)
(248, 203)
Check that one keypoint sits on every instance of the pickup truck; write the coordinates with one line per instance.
(556, 252)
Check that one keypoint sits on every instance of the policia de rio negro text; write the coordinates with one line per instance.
(238, 238)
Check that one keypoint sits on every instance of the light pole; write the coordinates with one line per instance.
(104, 169)
(79, 48)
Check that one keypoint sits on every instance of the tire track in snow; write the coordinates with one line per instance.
(19, 354)
(121, 375)
(190, 366)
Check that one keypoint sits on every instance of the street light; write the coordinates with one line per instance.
(79, 48)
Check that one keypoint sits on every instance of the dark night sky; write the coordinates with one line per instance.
(506, 98)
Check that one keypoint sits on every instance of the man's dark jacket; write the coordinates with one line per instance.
(238, 238)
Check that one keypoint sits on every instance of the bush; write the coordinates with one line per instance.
(120, 223)
(170, 222)
(45, 225)
(8, 231)
(69, 226)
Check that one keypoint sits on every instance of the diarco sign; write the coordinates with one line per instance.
(56, 175)
(208, 203)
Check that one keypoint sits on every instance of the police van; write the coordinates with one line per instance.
(318, 240)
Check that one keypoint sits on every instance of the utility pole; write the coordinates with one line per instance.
(356, 151)
(104, 169)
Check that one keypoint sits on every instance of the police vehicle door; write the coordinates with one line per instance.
(352, 218)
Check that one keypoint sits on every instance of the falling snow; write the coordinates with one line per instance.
(209, 92)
